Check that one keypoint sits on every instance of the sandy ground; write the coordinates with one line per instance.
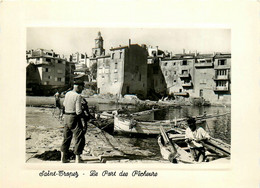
(44, 134)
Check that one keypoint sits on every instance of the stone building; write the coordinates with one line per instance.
(122, 71)
(156, 84)
(179, 74)
(205, 76)
(80, 60)
(47, 71)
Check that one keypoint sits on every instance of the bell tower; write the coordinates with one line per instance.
(98, 50)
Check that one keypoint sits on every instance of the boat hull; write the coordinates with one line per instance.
(131, 126)
(217, 151)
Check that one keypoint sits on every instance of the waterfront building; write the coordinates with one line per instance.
(156, 84)
(81, 60)
(193, 75)
(122, 71)
(47, 70)
(179, 74)
(222, 77)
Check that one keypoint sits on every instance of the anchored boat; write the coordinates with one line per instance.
(174, 148)
(131, 125)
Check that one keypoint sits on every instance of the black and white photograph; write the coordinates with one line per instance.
(128, 95)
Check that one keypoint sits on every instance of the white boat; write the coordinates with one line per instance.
(132, 126)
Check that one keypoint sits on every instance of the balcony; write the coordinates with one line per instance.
(222, 67)
(184, 75)
(204, 65)
(220, 88)
(183, 94)
(221, 77)
(187, 84)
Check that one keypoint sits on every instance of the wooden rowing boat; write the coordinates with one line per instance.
(133, 125)
(174, 148)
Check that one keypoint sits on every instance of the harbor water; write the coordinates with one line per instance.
(218, 127)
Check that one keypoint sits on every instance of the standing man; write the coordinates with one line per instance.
(73, 124)
(57, 104)
(193, 136)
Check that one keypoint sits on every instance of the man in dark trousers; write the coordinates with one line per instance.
(73, 123)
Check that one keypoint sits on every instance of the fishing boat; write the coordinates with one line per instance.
(137, 115)
(132, 125)
(174, 148)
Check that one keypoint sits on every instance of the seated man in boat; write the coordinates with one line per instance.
(194, 136)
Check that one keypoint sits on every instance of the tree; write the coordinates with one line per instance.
(93, 70)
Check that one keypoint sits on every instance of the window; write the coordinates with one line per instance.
(222, 62)
(174, 72)
(120, 55)
(222, 83)
(112, 56)
(47, 70)
(221, 72)
(115, 79)
(174, 63)
(115, 65)
(165, 73)
(48, 59)
(184, 62)
(208, 60)
(59, 79)
(165, 64)
(49, 77)
(174, 80)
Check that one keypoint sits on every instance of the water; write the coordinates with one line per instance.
(219, 127)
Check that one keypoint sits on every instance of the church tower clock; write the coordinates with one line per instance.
(98, 50)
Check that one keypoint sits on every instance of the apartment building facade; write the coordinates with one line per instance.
(206, 76)
(46, 70)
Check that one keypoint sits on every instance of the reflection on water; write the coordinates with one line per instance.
(219, 127)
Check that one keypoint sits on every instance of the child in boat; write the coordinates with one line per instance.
(194, 136)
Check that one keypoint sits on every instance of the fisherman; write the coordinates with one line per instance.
(73, 123)
(194, 136)
(57, 104)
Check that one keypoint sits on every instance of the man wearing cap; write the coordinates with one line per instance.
(194, 136)
(73, 123)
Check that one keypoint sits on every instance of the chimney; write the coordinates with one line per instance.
(183, 51)
(170, 54)
(129, 42)
(196, 53)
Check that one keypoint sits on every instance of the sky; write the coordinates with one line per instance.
(68, 40)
